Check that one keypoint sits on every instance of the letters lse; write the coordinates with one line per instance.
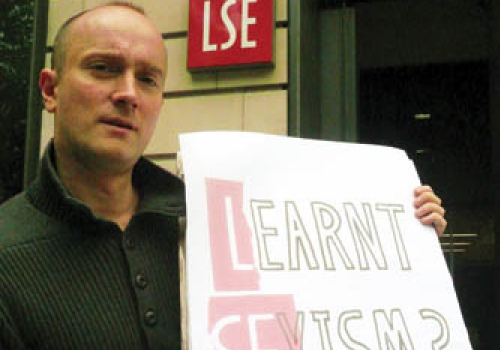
(230, 33)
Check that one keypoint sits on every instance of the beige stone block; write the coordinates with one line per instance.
(179, 78)
(47, 131)
(266, 112)
(170, 16)
(59, 12)
(281, 10)
(87, 4)
(47, 60)
(195, 113)
(169, 164)
(260, 76)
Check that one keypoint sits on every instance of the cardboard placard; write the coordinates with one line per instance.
(301, 244)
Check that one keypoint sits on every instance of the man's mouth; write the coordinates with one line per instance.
(119, 122)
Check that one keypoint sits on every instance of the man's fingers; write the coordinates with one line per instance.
(429, 208)
(435, 219)
(426, 196)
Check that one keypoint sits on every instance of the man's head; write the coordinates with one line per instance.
(106, 88)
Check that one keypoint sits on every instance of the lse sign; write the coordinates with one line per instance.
(230, 33)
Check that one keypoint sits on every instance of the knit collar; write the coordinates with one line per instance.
(159, 192)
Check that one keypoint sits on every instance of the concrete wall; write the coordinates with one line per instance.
(250, 99)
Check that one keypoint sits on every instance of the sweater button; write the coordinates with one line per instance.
(129, 243)
(150, 317)
(141, 281)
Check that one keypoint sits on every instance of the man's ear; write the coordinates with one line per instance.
(47, 83)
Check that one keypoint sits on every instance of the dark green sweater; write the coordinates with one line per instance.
(72, 280)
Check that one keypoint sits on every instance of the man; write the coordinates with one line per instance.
(88, 253)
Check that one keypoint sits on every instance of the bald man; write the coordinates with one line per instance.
(89, 253)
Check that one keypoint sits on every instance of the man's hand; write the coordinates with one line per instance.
(428, 208)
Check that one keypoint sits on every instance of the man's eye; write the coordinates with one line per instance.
(99, 67)
(102, 67)
(148, 80)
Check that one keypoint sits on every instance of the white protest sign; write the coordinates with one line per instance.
(299, 244)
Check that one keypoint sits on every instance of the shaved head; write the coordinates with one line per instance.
(62, 35)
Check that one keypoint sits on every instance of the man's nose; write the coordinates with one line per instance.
(126, 90)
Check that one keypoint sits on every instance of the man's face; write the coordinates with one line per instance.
(108, 96)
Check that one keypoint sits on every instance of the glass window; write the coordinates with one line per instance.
(424, 86)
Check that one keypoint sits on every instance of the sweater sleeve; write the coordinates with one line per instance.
(10, 339)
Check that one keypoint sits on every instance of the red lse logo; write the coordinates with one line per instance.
(228, 33)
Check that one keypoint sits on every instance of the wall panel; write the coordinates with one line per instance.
(47, 130)
(282, 10)
(59, 12)
(266, 111)
(167, 163)
(195, 113)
